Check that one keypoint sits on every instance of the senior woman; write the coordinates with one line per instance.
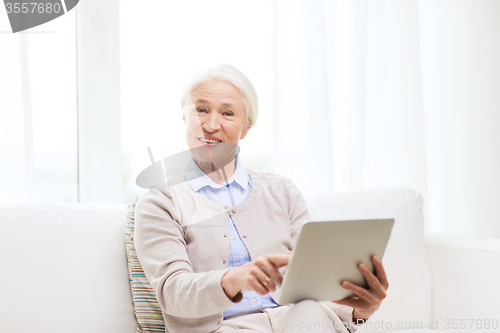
(212, 240)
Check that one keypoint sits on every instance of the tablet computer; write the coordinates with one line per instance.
(328, 252)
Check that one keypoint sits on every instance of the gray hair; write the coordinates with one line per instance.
(232, 75)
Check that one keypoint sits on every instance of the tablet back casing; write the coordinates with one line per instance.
(327, 252)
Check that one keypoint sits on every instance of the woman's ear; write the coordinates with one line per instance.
(245, 131)
(186, 110)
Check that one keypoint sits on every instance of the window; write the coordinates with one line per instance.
(38, 130)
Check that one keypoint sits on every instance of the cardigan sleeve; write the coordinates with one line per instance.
(297, 210)
(161, 249)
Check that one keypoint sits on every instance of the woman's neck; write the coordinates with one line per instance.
(217, 174)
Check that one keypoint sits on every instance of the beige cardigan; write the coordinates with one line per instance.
(182, 243)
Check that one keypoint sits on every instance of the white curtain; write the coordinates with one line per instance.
(370, 94)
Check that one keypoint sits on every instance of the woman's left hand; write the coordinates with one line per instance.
(367, 301)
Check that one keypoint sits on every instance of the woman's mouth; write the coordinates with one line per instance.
(209, 141)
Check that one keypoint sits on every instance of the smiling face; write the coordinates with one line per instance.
(216, 120)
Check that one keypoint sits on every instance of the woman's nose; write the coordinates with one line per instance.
(212, 122)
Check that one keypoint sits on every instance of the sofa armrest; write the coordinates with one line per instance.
(465, 272)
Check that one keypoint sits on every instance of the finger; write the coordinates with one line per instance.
(370, 278)
(262, 277)
(269, 284)
(253, 279)
(354, 303)
(266, 264)
(269, 270)
(361, 292)
(254, 284)
(373, 281)
(380, 272)
(266, 278)
(278, 259)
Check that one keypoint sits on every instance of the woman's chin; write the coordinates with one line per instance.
(219, 154)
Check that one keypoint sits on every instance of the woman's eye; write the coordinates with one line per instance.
(227, 113)
(201, 110)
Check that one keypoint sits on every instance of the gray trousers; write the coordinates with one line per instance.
(305, 316)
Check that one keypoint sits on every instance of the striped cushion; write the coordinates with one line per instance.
(147, 310)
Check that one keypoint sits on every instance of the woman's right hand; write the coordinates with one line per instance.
(260, 275)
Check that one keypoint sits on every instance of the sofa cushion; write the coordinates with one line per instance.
(405, 260)
(147, 310)
(64, 269)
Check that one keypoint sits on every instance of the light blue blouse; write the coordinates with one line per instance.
(233, 192)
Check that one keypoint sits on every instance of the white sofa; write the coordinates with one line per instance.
(64, 268)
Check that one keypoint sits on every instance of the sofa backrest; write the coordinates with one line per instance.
(64, 269)
(408, 301)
